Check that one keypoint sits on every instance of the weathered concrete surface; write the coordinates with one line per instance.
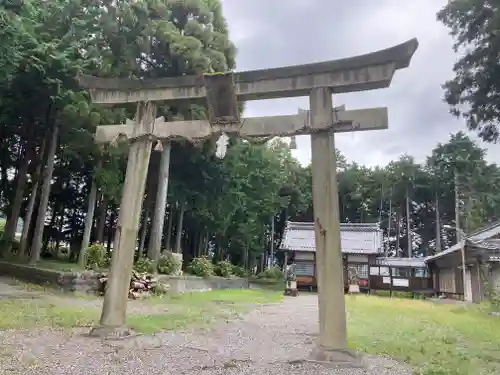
(271, 340)
(365, 72)
(122, 260)
(329, 264)
(85, 282)
(188, 283)
(285, 126)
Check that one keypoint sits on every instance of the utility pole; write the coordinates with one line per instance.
(460, 232)
(398, 229)
(408, 225)
(457, 208)
(438, 225)
(389, 222)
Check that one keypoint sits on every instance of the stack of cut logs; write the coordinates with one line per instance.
(141, 285)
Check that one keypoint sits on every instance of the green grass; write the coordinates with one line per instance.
(186, 310)
(58, 265)
(271, 284)
(435, 339)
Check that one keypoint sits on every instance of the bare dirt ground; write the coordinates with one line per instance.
(270, 340)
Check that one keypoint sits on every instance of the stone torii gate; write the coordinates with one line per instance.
(318, 81)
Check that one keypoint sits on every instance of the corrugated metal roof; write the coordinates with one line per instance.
(401, 262)
(363, 238)
(476, 238)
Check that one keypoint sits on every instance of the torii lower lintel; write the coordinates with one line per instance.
(280, 126)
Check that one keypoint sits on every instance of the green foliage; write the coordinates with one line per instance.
(97, 257)
(493, 295)
(168, 264)
(492, 292)
(223, 269)
(239, 271)
(160, 289)
(474, 92)
(144, 265)
(272, 273)
(201, 266)
(57, 252)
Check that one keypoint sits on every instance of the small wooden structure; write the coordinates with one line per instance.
(361, 244)
(401, 275)
(482, 266)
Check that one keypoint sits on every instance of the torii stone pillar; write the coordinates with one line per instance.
(160, 204)
(333, 341)
(115, 299)
(318, 81)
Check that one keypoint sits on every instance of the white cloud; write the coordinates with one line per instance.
(271, 33)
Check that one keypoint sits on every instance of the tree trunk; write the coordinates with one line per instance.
(4, 178)
(15, 208)
(201, 240)
(44, 199)
(31, 203)
(27, 221)
(178, 234)
(103, 211)
(111, 231)
(59, 234)
(144, 229)
(168, 239)
(52, 222)
(89, 220)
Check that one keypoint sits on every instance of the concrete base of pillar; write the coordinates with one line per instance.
(336, 358)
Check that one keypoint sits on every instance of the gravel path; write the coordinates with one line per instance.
(262, 342)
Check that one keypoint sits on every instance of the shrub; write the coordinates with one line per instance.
(271, 273)
(144, 265)
(161, 289)
(97, 257)
(201, 267)
(239, 271)
(168, 264)
(223, 269)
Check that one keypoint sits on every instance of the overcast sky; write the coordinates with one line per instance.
(273, 33)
